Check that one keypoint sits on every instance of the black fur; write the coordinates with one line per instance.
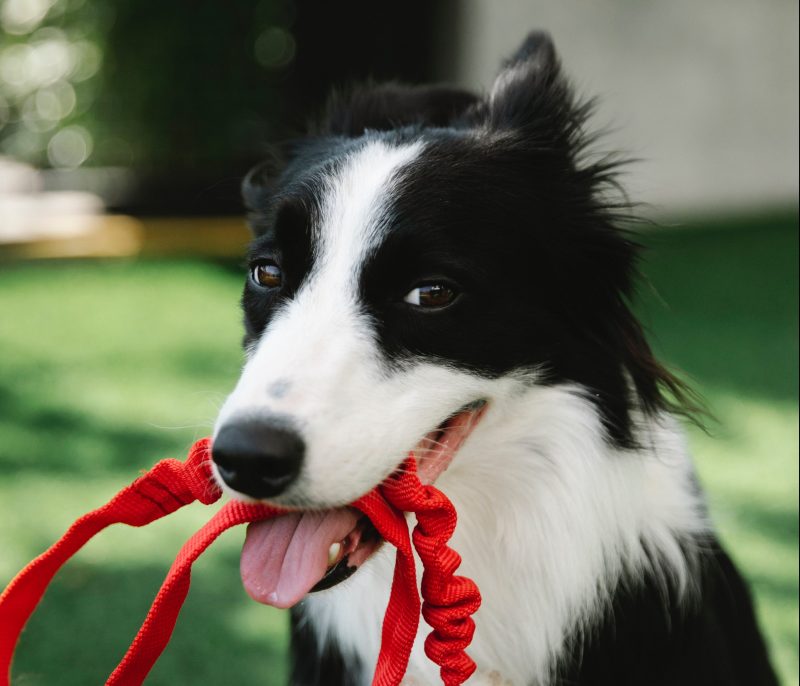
(312, 666)
(523, 222)
(385, 107)
(644, 638)
(647, 637)
(513, 211)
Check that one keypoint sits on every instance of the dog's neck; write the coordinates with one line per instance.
(550, 519)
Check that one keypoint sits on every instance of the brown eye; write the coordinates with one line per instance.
(267, 275)
(431, 295)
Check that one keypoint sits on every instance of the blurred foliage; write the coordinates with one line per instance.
(141, 84)
(110, 366)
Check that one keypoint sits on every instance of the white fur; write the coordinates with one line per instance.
(550, 515)
(320, 347)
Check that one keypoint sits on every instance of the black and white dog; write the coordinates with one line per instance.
(441, 272)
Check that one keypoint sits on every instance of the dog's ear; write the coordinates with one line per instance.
(258, 190)
(530, 92)
(389, 106)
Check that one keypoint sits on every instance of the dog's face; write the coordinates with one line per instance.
(422, 249)
(363, 332)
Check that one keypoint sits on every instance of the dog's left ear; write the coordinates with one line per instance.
(530, 91)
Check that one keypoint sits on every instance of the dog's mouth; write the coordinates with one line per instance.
(285, 558)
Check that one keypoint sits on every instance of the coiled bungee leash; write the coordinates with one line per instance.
(448, 601)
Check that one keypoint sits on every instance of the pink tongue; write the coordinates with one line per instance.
(284, 558)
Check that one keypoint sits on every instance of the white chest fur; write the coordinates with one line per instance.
(549, 518)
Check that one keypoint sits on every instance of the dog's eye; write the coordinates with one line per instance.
(266, 275)
(431, 295)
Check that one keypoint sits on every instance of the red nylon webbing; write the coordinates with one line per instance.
(448, 600)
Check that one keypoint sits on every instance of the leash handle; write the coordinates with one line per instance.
(171, 484)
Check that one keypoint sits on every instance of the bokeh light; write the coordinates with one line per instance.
(70, 147)
(274, 47)
(48, 59)
(22, 16)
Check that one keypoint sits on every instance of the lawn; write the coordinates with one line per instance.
(109, 366)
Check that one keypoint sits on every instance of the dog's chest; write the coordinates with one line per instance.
(545, 538)
(351, 617)
(509, 646)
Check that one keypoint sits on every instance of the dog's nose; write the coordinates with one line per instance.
(257, 457)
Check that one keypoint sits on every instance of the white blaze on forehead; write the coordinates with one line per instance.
(352, 217)
(320, 346)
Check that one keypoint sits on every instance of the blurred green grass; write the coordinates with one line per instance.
(106, 367)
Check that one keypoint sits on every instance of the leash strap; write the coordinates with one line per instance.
(167, 487)
(448, 600)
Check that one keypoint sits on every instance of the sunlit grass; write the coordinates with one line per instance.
(106, 367)
(722, 307)
(750, 471)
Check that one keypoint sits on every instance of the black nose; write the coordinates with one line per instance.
(259, 458)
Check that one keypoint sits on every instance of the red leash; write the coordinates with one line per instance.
(448, 600)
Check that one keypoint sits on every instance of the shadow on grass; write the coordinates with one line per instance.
(91, 614)
(60, 441)
(773, 582)
(780, 526)
(775, 522)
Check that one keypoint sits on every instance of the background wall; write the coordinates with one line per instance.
(705, 93)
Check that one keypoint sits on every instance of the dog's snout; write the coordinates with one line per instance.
(259, 458)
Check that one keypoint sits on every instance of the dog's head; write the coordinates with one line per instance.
(421, 248)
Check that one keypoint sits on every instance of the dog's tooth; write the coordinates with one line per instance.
(333, 553)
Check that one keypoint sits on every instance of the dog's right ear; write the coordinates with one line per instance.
(389, 106)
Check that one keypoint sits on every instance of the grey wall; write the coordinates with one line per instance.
(705, 92)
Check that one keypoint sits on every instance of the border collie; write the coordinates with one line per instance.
(443, 272)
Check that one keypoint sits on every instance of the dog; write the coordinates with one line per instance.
(443, 272)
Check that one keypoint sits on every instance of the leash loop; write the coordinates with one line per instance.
(449, 600)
